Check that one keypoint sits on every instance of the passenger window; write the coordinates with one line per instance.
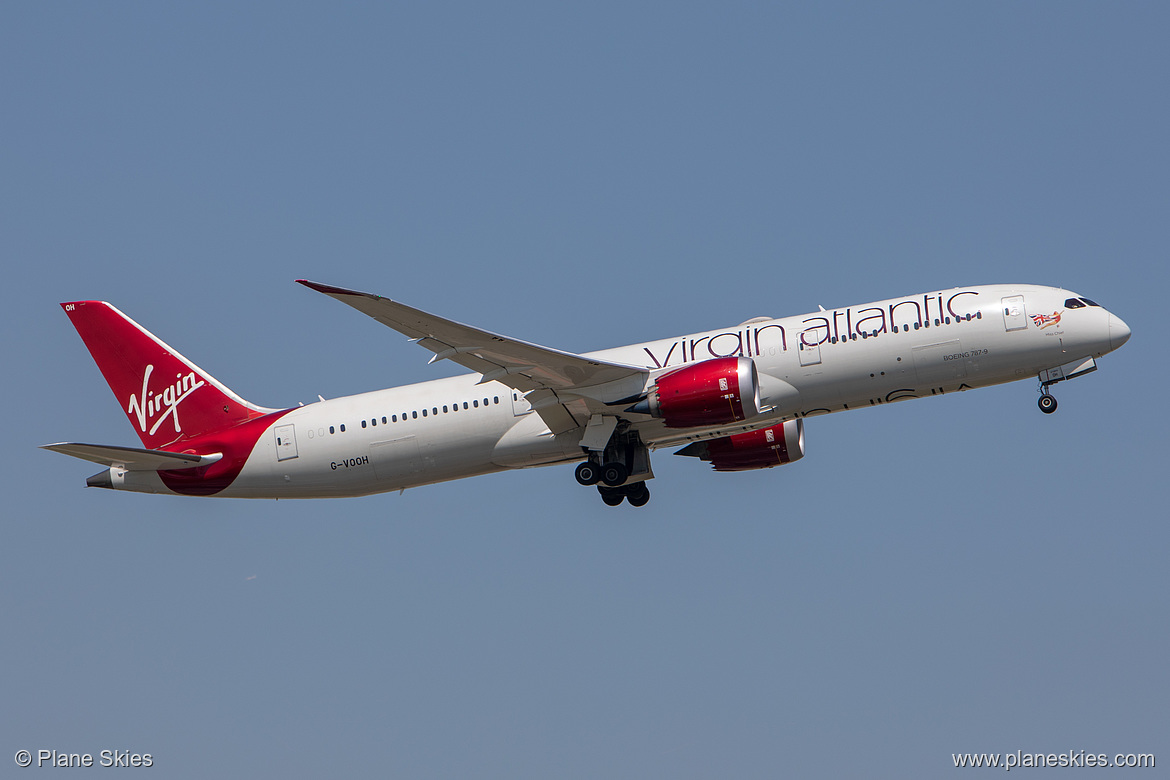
(363, 423)
(394, 417)
(476, 402)
(331, 429)
(424, 412)
(917, 325)
(464, 404)
(343, 427)
(434, 410)
(497, 399)
(414, 415)
(384, 421)
(1073, 303)
(444, 408)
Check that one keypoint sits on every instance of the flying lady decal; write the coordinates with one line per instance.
(1044, 320)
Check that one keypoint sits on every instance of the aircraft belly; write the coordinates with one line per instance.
(530, 443)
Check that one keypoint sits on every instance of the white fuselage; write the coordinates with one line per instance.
(451, 428)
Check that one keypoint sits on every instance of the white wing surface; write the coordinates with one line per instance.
(563, 387)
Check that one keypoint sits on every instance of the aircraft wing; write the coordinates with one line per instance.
(563, 387)
(132, 458)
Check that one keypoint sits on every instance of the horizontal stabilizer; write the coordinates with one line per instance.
(132, 458)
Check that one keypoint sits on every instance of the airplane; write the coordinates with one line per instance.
(735, 397)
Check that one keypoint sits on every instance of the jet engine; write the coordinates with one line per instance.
(713, 392)
(762, 449)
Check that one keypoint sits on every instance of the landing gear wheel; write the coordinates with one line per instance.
(614, 474)
(638, 494)
(610, 496)
(588, 473)
(1047, 403)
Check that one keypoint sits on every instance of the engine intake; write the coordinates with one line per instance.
(713, 392)
(762, 449)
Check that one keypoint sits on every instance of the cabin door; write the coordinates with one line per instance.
(1014, 315)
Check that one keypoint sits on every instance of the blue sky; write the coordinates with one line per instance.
(951, 575)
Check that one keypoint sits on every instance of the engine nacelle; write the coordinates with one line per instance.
(713, 392)
(762, 449)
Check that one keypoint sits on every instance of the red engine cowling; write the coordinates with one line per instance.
(713, 392)
(762, 449)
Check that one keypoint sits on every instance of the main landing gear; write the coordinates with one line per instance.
(619, 471)
(612, 474)
(637, 494)
(610, 479)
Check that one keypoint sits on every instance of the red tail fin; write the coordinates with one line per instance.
(167, 398)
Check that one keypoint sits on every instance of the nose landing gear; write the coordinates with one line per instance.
(1051, 376)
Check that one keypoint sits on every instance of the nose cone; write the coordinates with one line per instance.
(1118, 331)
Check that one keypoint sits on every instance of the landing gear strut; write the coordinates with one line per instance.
(1047, 402)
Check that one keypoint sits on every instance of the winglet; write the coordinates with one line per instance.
(329, 289)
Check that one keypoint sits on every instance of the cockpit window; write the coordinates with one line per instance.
(1074, 303)
(1091, 303)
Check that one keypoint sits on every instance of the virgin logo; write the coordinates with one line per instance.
(163, 404)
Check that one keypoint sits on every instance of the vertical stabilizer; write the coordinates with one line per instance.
(167, 398)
